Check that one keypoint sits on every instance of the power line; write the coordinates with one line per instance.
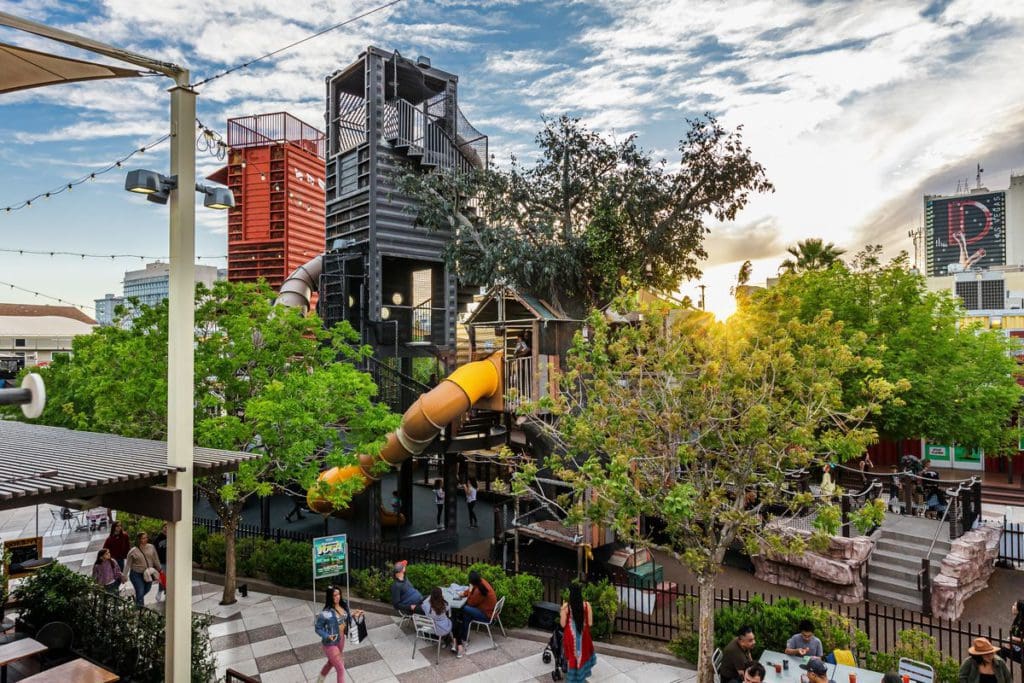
(45, 296)
(66, 187)
(249, 63)
(35, 252)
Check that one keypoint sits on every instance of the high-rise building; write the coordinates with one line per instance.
(150, 286)
(276, 171)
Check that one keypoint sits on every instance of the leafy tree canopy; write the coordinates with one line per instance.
(267, 380)
(698, 423)
(811, 254)
(591, 214)
(958, 383)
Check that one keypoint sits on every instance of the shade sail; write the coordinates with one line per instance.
(21, 68)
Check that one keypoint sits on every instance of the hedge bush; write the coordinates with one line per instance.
(912, 644)
(372, 584)
(773, 625)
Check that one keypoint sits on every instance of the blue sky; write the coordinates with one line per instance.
(855, 108)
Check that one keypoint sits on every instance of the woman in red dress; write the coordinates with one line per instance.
(576, 620)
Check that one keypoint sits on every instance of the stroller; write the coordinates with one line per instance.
(554, 652)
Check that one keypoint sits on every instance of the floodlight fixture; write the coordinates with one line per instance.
(155, 186)
(217, 197)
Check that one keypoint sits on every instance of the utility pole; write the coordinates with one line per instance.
(702, 296)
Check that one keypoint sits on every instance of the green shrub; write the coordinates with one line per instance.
(250, 556)
(773, 625)
(523, 590)
(289, 563)
(199, 536)
(911, 644)
(425, 576)
(372, 584)
(211, 553)
(51, 594)
(133, 524)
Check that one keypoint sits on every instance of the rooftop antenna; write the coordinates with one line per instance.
(980, 171)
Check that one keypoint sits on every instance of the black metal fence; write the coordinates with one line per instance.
(664, 613)
(1011, 545)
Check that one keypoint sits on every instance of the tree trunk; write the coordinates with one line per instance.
(706, 628)
(230, 572)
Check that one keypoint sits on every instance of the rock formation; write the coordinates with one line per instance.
(965, 570)
(834, 575)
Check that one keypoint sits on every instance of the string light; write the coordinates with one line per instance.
(45, 296)
(213, 143)
(319, 33)
(143, 257)
(67, 187)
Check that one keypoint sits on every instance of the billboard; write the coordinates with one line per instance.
(965, 232)
(330, 556)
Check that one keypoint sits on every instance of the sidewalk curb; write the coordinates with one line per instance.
(609, 649)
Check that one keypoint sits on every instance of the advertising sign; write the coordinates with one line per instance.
(966, 232)
(956, 457)
(330, 556)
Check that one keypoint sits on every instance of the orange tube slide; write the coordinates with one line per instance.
(422, 422)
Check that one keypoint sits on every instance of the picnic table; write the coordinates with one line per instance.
(18, 650)
(838, 673)
(453, 596)
(77, 670)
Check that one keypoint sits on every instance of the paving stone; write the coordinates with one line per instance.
(265, 633)
(226, 642)
(277, 660)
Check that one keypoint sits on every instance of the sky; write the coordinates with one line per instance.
(855, 108)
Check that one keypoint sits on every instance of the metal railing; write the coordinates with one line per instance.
(394, 388)
(518, 382)
(406, 125)
(422, 322)
(278, 127)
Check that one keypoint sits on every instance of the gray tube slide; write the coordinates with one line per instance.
(298, 287)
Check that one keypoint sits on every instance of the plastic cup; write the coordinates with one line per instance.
(853, 677)
(778, 668)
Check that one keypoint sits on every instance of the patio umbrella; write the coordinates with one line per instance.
(21, 68)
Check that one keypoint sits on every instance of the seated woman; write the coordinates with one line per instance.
(436, 608)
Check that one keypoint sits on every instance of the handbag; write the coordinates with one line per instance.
(126, 590)
(361, 628)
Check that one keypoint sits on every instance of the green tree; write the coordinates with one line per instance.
(268, 380)
(958, 383)
(811, 254)
(697, 423)
(591, 213)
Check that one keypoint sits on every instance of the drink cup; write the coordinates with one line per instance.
(785, 664)
(778, 667)
(853, 677)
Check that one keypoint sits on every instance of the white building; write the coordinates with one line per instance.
(150, 286)
(38, 333)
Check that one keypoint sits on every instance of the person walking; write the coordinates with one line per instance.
(471, 489)
(106, 572)
(118, 544)
(143, 567)
(1015, 648)
(983, 665)
(576, 619)
(439, 502)
(160, 543)
(332, 624)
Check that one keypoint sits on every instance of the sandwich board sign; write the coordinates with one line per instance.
(330, 556)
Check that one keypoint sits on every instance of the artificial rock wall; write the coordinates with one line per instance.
(965, 570)
(834, 575)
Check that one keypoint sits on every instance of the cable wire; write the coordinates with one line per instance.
(249, 63)
(143, 257)
(45, 296)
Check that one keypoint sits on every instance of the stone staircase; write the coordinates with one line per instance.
(896, 560)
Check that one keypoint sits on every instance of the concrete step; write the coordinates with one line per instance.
(896, 599)
(898, 572)
(893, 558)
(906, 586)
(909, 541)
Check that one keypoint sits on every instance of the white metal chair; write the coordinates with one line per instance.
(919, 672)
(716, 661)
(424, 627)
(67, 519)
(495, 617)
(405, 616)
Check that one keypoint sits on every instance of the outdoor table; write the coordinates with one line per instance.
(453, 596)
(77, 670)
(840, 673)
(16, 650)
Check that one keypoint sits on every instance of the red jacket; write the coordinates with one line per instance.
(483, 603)
(118, 546)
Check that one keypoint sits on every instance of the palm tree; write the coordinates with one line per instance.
(811, 254)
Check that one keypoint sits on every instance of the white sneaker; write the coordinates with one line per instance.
(321, 678)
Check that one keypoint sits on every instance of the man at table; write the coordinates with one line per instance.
(736, 656)
(817, 672)
(753, 673)
(805, 643)
(404, 596)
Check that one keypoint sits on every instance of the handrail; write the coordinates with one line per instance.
(924, 580)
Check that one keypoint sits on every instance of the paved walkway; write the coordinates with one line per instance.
(272, 637)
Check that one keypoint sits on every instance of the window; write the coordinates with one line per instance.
(991, 294)
(19, 342)
(968, 293)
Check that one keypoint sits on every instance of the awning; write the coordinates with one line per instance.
(60, 466)
(21, 68)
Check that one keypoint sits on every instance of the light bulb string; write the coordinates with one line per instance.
(66, 187)
(53, 252)
(46, 296)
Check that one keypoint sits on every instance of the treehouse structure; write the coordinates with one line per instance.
(388, 115)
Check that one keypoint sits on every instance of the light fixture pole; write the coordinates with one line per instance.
(180, 377)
